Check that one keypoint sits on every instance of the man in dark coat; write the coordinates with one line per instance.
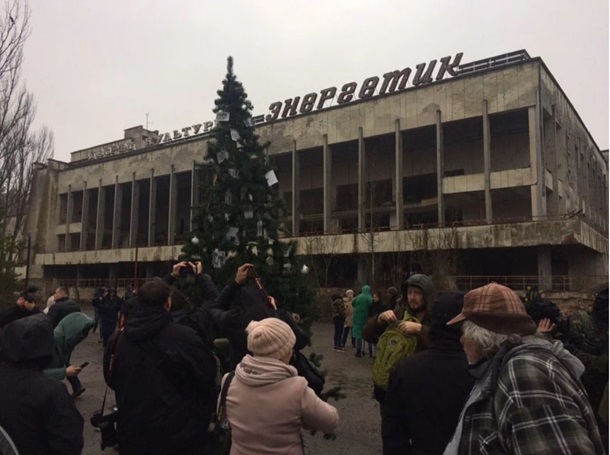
(24, 307)
(108, 312)
(164, 380)
(422, 406)
(62, 307)
(35, 410)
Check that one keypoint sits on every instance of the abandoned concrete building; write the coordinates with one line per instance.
(492, 166)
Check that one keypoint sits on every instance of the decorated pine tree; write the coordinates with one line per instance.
(239, 218)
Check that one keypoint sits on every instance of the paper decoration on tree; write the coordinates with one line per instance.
(222, 155)
(223, 116)
(250, 197)
(269, 261)
(234, 135)
(228, 198)
(234, 173)
(232, 234)
(218, 258)
(249, 122)
(232, 254)
(271, 178)
(287, 268)
(248, 214)
(288, 250)
(227, 216)
(259, 228)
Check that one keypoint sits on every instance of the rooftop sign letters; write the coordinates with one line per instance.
(392, 81)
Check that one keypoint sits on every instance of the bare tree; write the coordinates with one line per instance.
(20, 144)
(435, 251)
(321, 251)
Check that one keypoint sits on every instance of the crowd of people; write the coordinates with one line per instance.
(485, 372)
(454, 373)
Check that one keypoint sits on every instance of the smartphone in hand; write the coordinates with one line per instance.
(84, 365)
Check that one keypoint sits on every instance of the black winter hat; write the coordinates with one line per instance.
(446, 306)
(27, 297)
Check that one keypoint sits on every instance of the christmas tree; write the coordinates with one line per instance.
(239, 217)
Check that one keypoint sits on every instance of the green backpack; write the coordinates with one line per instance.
(392, 347)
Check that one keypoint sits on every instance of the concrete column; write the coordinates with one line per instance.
(399, 175)
(194, 195)
(545, 272)
(487, 163)
(296, 190)
(69, 210)
(112, 272)
(84, 222)
(116, 213)
(173, 206)
(536, 165)
(361, 182)
(134, 211)
(440, 169)
(99, 222)
(152, 205)
(364, 272)
(552, 152)
(327, 171)
(149, 271)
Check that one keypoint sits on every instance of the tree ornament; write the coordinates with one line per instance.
(195, 240)
(269, 261)
(304, 270)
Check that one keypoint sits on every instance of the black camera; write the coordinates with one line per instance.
(106, 424)
(187, 270)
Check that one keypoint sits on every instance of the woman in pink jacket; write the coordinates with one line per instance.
(267, 403)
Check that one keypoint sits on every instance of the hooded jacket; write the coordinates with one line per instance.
(362, 302)
(374, 328)
(268, 404)
(68, 334)
(164, 382)
(527, 399)
(36, 411)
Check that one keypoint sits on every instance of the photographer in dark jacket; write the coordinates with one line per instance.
(163, 378)
(24, 307)
(35, 410)
(241, 302)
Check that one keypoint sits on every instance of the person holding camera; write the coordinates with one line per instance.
(163, 377)
(242, 302)
(35, 410)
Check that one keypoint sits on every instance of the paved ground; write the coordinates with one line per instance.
(358, 432)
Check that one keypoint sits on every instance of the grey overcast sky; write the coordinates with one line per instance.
(98, 67)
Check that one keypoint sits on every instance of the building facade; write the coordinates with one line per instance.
(492, 168)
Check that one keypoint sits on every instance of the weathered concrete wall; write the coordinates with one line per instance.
(572, 155)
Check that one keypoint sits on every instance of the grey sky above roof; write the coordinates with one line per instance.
(97, 68)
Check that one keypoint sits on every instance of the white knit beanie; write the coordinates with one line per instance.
(270, 337)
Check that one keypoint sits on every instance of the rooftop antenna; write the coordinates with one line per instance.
(147, 122)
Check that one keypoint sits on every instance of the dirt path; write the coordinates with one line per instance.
(359, 430)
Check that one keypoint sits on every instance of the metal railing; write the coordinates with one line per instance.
(557, 283)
